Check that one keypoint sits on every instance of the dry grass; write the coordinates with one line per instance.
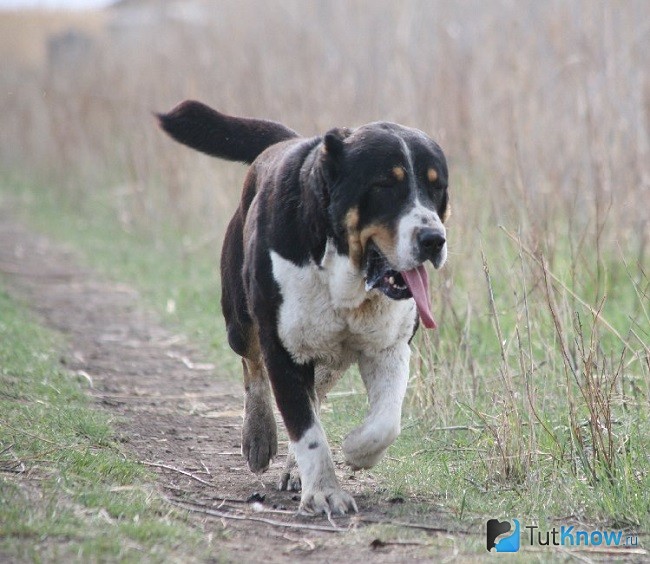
(24, 33)
(544, 112)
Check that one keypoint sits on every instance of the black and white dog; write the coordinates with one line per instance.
(318, 268)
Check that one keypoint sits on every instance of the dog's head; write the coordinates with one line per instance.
(388, 204)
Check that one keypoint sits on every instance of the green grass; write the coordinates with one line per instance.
(528, 450)
(66, 489)
(179, 282)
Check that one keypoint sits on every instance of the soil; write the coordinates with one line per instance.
(183, 419)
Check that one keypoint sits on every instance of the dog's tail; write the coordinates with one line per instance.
(233, 138)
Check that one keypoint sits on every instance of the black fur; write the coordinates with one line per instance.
(237, 139)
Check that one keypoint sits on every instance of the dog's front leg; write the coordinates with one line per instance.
(324, 382)
(385, 375)
(293, 385)
(321, 492)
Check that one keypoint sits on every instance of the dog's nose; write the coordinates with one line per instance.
(430, 243)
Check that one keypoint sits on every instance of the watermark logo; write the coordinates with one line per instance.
(570, 536)
(506, 536)
(510, 543)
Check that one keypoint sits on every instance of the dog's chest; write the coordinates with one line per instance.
(327, 316)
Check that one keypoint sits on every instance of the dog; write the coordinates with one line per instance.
(322, 266)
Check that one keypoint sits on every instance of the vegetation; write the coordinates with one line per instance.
(62, 473)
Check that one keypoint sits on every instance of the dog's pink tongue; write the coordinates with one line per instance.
(417, 280)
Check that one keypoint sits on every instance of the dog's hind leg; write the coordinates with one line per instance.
(290, 477)
(259, 433)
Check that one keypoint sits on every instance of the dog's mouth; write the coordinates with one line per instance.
(398, 285)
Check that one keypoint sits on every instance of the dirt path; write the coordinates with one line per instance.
(173, 410)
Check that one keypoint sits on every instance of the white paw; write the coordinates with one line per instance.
(365, 445)
(290, 477)
(290, 481)
(361, 459)
(331, 501)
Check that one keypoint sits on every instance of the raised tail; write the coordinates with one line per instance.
(233, 138)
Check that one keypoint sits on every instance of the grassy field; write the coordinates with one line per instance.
(533, 397)
(67, 491)
(475, 453)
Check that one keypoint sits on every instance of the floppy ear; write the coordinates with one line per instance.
(333, 148)
(333, 141)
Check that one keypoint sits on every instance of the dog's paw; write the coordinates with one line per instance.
(290, 481)
(361, 456)
(365, 446)
(331, 501)
(290, 477)
(259, 440)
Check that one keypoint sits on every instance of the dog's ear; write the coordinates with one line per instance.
(333, 141)
(333, 148)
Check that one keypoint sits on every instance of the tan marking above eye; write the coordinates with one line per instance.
(432, 175)
(398, 173)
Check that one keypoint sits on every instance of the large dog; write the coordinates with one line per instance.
(323, 266)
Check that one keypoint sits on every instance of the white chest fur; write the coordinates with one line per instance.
(328, 317)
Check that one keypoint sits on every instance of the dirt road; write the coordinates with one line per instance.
(175, 413)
